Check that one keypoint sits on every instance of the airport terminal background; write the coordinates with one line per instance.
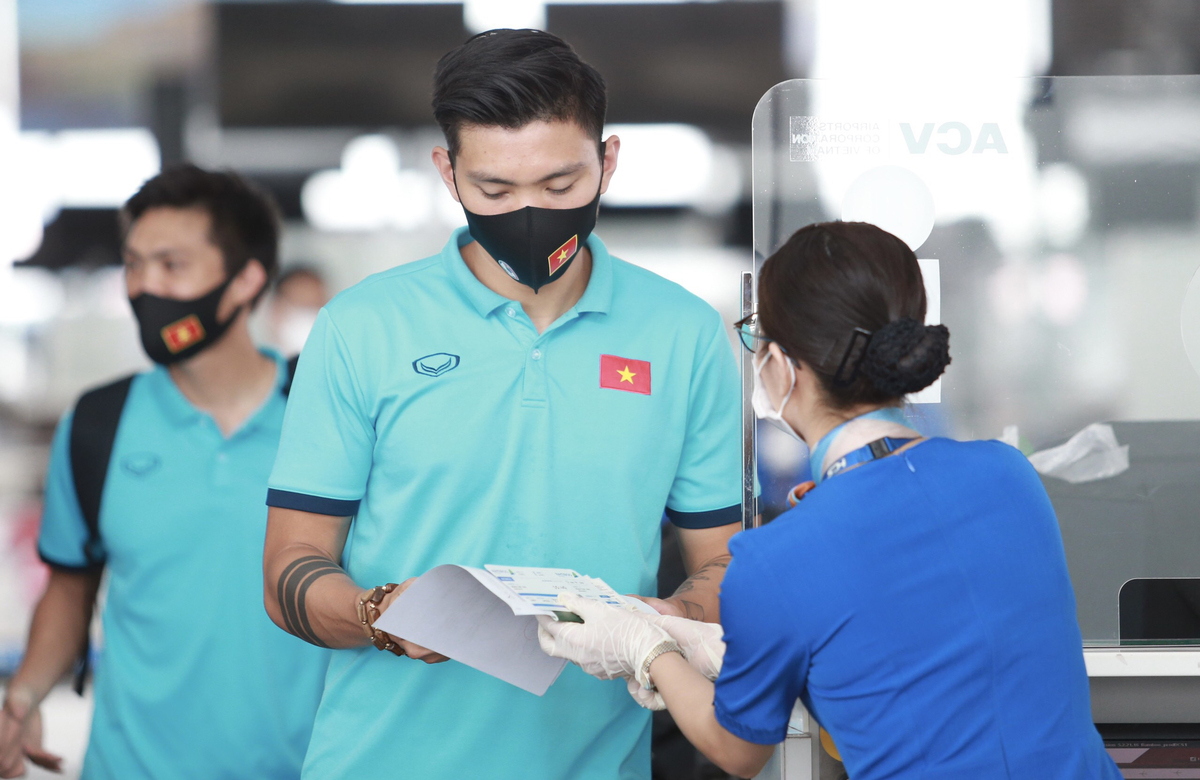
(326, 104)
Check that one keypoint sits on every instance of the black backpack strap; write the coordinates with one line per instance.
(291, 374)
(93, 433)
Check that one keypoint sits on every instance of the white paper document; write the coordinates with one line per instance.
(486, 618)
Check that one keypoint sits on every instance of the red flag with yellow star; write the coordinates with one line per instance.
(564, 253)
(618, 373)
(182, 334)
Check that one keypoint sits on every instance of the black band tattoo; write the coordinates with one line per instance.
(292, 589)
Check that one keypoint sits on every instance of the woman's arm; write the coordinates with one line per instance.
(613, 643)
(689, 697)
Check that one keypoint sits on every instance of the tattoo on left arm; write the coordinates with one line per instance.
(293, 586)
(713, 570)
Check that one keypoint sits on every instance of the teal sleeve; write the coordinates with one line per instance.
(707, 490)
(328, 432)
(62, 540)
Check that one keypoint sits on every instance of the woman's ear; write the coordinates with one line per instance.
(809, 391)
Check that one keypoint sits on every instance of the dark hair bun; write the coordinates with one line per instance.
(905, 356)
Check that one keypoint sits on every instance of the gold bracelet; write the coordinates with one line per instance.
(368, 613)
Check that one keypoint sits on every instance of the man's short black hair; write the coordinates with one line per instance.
(245, 219)
(509, 78)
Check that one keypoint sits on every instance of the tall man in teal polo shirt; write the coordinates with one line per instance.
(193, 683)
(521, 398)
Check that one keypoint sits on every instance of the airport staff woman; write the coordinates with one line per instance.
(916, 601)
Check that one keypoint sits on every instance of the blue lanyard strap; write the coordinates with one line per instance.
(817, 455)
(880, 448)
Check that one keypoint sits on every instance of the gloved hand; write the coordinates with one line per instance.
(701, 642)
(647, 700)
(610, 643)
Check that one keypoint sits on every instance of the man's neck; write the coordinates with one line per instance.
(547, 304)
(229, 380)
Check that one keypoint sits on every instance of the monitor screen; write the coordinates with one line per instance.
(294, 64)
(705, 64)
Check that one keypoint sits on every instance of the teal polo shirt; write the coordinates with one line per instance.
(194, 681)
(429, 408)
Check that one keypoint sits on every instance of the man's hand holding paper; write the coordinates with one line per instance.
(411, 649)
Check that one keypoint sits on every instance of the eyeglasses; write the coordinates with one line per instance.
(747, 330)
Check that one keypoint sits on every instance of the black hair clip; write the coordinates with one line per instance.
(849, 358)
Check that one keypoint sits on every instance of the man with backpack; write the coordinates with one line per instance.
(158, 480)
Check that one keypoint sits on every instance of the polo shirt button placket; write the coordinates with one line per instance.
(535, 379)
(222, 474)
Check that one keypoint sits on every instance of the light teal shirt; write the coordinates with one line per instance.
(194, 680)
(429, 408)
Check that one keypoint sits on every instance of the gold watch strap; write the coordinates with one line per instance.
(368, 613)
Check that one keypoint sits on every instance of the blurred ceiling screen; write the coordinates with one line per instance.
(704, 64)
(292, 64)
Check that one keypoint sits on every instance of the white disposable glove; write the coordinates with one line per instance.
(610, 643)
(702, 646)
(701, 642)
(647, 700)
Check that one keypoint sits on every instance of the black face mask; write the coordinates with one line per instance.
(175, 330)
(535, 246)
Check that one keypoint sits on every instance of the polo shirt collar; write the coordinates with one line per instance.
(483, 298)
(596, 298)
(598, 295)
(180, 411)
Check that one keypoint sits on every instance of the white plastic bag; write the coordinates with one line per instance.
(1089, 455)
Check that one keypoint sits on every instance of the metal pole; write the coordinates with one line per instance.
(749, 453)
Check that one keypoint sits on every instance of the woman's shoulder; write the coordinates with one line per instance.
(858, 494)
(971, 456)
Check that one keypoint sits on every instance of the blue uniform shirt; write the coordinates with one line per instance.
(429, 407)
(920, 608)
(194, 680)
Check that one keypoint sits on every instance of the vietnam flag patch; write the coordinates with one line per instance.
(618, 373)
(560, 256)
(183, 333)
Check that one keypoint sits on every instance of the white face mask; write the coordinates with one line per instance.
(294, 327)
(762, 402)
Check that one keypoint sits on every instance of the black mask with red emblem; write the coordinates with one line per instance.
(174, 330)
(535, 246)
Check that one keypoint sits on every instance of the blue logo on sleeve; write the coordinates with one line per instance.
(436, 364)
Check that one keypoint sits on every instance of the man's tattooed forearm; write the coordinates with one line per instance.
(292, 589)
(692, 610)
(702, 574)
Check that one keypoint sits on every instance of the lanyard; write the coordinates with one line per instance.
(817, 455)
(880, 448)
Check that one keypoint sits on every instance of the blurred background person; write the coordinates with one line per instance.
(157, 480)
(296, 298)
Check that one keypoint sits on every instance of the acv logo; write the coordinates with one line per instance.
(436, 364)
(955, 138)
